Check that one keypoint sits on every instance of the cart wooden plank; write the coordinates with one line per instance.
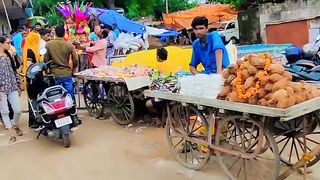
(133, 83)
(94, 78)
(283, 114)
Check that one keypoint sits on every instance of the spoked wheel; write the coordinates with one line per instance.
(93, 99)
(121, 103)
(248, 137)
(187, 121)
(291, 139)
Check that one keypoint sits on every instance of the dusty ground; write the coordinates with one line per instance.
(100, 150)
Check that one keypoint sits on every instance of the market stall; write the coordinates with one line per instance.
(114, 88)
(252, 118)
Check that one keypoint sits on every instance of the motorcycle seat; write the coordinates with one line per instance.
(306, 63)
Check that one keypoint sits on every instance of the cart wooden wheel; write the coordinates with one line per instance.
(248, 137)
(187, 121)
(291, 139)
(121, 103)
(93, 99)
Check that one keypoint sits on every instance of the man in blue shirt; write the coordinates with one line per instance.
(17, 40)
(208, 49)
(116, 31)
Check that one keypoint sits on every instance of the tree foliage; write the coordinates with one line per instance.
(174, 5)
(133, 8)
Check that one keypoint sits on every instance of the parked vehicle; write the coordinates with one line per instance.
(230, 31)
(303, 68)
(51, 104)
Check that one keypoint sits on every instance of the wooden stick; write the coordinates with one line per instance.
(304, 160)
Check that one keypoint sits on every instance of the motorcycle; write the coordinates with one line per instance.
(302, 68)
(52, 106)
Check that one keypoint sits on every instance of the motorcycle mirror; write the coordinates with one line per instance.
(43, 51)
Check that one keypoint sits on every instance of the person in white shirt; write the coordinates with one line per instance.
(45, 37)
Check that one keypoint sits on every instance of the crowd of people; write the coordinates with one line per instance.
(24, 47)
(208, 50)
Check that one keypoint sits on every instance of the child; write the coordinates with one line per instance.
(156, 107)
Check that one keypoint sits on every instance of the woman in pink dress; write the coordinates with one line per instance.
(99, 50)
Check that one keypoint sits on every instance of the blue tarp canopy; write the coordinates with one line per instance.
(111, 17)
(167, 34)
(156, 32)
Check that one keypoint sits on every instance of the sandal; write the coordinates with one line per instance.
(18, 131)
(13, 139)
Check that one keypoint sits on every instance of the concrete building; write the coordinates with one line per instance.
(17, 11)
(296, 22)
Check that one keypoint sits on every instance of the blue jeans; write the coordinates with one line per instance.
(67, 83)
(14, 99)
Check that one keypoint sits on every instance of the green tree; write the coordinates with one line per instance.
(174, 6)
(133, 8)
(46, 8)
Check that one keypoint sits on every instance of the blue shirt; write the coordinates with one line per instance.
(17, 41)
(93, 37)
(116, 32)
(206, 56)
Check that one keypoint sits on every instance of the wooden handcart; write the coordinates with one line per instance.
(117, 94)
(248, 141)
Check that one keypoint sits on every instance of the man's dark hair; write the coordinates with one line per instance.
(20, 29)
(43, 32)
(60, 31)
(37, 24)
(104, 33)
(162, 53)
(107, 27)
(200, 20)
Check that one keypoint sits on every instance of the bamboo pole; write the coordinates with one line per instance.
(304, 160)
(7, 16)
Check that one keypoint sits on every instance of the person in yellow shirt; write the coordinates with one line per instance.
(31, 50)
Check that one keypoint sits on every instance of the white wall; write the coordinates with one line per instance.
(4, 27)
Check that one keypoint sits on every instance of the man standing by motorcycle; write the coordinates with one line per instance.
(59, 52)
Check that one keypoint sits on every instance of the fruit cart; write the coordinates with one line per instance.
(248, 141)
(117, 94)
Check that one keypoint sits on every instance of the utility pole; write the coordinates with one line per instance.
(6, 13)
(167, 6)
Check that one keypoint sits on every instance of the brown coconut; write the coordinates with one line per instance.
(250, 81)
(264, 80)
(275, 77)
(233, 68)
(276, 68)
(245, 74)
(281, 84)
(225, 73)
(225, 91)
(233, 97)
(268, 87)
(287, 75)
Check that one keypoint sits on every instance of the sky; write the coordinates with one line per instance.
(199, 1)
